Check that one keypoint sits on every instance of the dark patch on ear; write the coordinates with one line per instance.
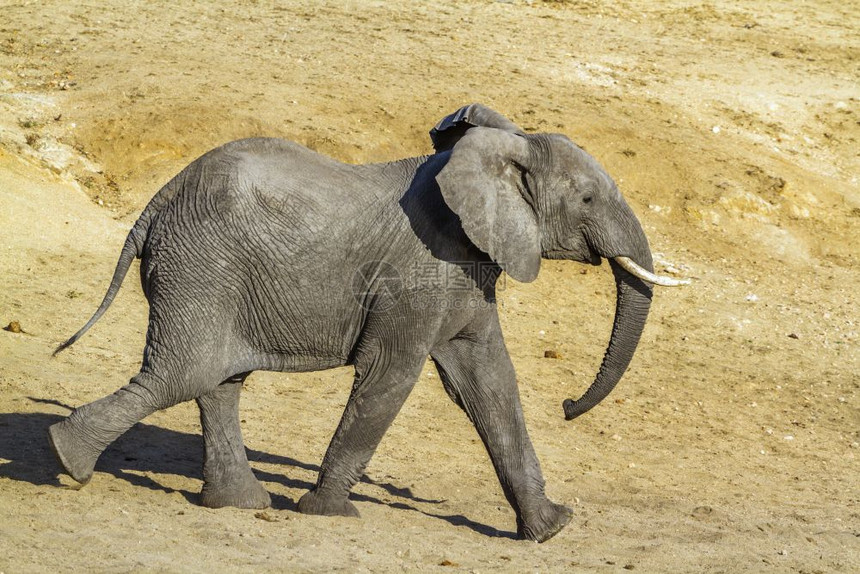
(451, 128)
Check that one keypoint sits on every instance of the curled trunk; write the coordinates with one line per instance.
(631, 311)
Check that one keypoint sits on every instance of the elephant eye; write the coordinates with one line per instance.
(586, 198)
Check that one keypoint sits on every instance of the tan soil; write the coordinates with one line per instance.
(731, 444)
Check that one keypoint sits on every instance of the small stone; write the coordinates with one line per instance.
(265, 516)
(616, 437)
(13, 327)
(715, 129)
(447, 562)
(551, 354)
(793, 336)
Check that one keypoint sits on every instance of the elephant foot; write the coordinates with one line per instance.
(246, 492)
(545, 523)
(313, 502)
(76, 459)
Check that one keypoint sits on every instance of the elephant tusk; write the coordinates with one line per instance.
(634, 269)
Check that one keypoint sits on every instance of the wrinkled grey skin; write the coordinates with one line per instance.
(263, 255)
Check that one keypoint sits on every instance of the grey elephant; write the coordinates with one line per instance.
(264, 255)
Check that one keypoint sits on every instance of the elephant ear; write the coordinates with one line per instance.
(482, 183)
(451, 128)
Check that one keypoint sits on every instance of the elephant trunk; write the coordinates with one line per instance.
(631, 311)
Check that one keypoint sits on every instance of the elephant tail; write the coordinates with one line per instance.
(131, 250)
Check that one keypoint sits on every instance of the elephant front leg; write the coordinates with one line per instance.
(227, 476)
(478, 375)
(379, 391)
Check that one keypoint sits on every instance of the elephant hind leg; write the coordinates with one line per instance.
(182, 360)
(164, 381)
(79, 440)
(227, 477)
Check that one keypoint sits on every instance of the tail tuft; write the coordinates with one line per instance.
(62, 347)
(130, 250)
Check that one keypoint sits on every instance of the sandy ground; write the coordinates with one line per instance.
(731, 444)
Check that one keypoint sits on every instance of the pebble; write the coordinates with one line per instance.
(13, 327)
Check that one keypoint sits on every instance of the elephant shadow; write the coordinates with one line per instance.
(148, 449)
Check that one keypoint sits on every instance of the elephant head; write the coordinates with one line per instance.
(521, 197)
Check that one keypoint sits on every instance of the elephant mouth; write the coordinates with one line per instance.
(591, 257)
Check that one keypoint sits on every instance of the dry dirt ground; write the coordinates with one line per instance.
(732, 127)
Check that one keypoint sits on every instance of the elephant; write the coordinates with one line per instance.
(264, 255)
